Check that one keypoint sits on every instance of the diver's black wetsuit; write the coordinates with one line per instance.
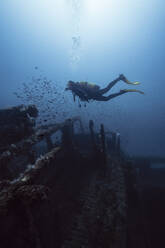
(99, 95)
(86, 91)
(86, 94)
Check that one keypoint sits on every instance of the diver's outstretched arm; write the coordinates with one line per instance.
(110, 85)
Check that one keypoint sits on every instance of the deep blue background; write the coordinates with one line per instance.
(121, 37)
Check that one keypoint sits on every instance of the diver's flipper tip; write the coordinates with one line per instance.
(133, 83)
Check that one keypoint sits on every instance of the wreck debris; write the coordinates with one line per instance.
(33, 171)
(103, 149)
(16, 203)
(49, 142)
(97, 201)
(67, 135)
(23, 194)
(24, 186)
(16, 123)
(93, 138)
(102, 220)
(118, 143)
(24, 146)
(114, 143)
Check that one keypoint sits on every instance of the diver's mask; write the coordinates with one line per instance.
(70, 85)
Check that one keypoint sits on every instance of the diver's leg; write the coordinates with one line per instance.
(107, 98)
(110, 85)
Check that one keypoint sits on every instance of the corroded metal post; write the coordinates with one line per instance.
(91, 126)
(113, 141)
(102, 134)
(67, 135)
(118, 143)
(49, 142)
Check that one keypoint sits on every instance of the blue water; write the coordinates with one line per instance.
(158, 166)
(73, 40)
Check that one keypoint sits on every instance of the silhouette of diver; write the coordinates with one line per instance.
(87, 91)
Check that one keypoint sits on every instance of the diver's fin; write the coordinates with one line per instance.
(128, 82)
(125, 80)
(130, 90)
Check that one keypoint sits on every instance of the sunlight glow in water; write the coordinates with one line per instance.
(58, 18)
(78, 26)
(97, 7)
(94, 6)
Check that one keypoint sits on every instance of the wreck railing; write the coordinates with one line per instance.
(43, 132)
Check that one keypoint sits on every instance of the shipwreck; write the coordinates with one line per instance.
(77, 192)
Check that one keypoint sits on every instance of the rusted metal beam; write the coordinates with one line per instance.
(41, 133)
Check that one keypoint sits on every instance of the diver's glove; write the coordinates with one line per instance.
(130, 90)
(125, 80)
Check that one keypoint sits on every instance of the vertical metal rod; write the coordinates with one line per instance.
(49, 142)
(67, 135)
(102, 134)
(91, 126)
(118, 143)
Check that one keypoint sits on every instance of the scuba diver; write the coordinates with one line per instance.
(87, 91)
